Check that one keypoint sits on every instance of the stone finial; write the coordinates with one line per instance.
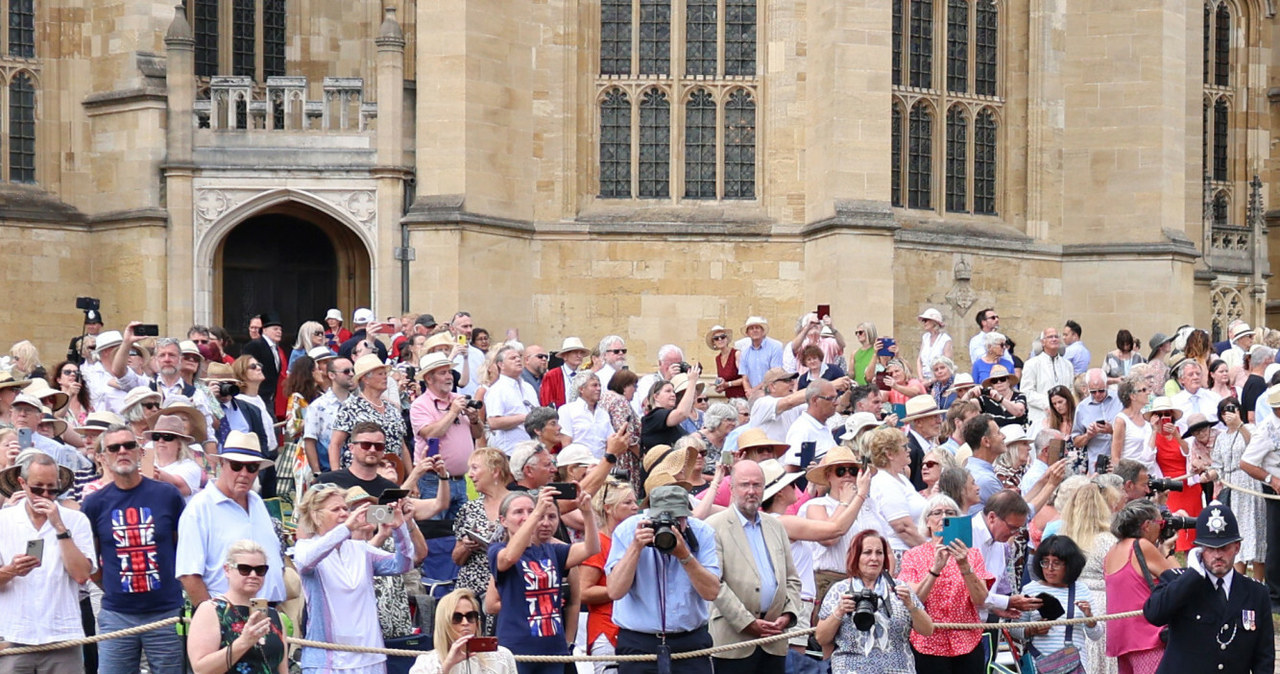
(390, 34)
(179, 30)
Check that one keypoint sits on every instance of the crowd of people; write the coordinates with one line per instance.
(861, 494)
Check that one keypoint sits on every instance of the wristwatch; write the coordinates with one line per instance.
(611, 458)
(63, 536)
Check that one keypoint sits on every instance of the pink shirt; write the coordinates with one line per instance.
(456, 445)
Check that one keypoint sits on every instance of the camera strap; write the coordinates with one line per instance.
(663, 651)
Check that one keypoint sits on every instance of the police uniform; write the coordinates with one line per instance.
(91, 316)
(1205, 634)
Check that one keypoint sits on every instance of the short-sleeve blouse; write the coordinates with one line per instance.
(948, 601)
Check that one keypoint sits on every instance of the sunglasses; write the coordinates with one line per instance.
(930, 464)
(704, 399)
(841, 471)
(719, 338)
(472, 617)
(164, 437)
(117, 446)
(150, 406)
(246, 569)
(234, 467)
(45, 492)
(255, 366)
(71, 373)
(346, 371)
(368, 444)
(199, 341)
(617, 351)
(543, 356)
(1093, 391)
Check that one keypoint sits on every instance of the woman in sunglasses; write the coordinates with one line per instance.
(227, 634)
(457, 621)
(66, 378)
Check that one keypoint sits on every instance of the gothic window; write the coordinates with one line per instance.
(740, 146)
(984, 163)
(22, 130)
(957, 159)
(1221, 118)
(22, 28)
(1223, 153)
(987, 48)
(242, 29)
(205, 27)
(958, 46)
(1222, 47)
(1208, 36)
(615, 145)
(897, 42)
(920, 158)
(895, 159)
(700, 146)
(921, 69)
(677, 116)
(655, 144)
(253, 47)
(1220, 209)
(273, 38)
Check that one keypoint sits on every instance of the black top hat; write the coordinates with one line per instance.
(1216, 527)
(269, 319)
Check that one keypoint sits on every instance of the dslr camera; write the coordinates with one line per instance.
(664, 532)
(1164, 484)
(228, 389)
(866, 602)
(1174, 523)
(474, 404)
(682, 367)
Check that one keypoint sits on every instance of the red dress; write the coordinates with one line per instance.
(728, 371)
(1174, 464)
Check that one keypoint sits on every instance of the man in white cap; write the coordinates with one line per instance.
(557, 385)
(362, 321)
(760, 352)
(1261, 461)
(226, 511)
(110, 379)
(443, 425)
(1241, 340)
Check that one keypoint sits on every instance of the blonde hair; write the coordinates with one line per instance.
(611, 494)
(1086, 515)
(25, 355)
(880, 443)
(244, 546)
(491, 370)
(445, 608)
(306, 332)
(496, 462)
(308, 509)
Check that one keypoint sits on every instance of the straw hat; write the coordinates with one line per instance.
(921, 406)
(664, 464)
(440, 339)
(138, 395)
(59, 426)
(1273, 396)
(7, 380)
(1000, 372)
(40, 389)
(1164, 404)
(755, 438)
(857, 423)
(776, 478)
(836, 456)
(778, 374)
(680, 382)
(320, 354)
(243, 447)
(188, 348)
(9, 476)
(171, 424)
(756, 320)
(961, 382)
(217, 372)
(433, 361)
(934, 315)
(715, 330)
(196, 423)
(1241, 330)
(1195, 423)
(99, 421)
(367, 363)
(571, 344)
(357, 494)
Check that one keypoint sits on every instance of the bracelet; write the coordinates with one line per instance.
(684, 561)
(935, 575)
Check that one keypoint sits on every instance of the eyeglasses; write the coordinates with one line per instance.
(150, 406)
(930, 464)
(256, 366)
(235, 467)
(346, 371)
(829, 399)
(369, 444)
(246, 569)
(841, 471)
(472, 617)
(71, 373)
(164, 437)
(46, 492)
(943, 512)
(1140, 390)
(117, 446)
(1052, 563)
(616, 351)
(1093, 391)
(1013, 528)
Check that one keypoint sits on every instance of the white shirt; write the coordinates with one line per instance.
(509, 396)
(44, 605)
(1204, 401)
(765, 416)
(188, 471)
(1040, 374)
(268, 423)
(475, 367)
(807, 429)
(977, 346)
(1264, 446)
(106, 393)
(995, 557)
(895, 498)
(210, 524)
(586, 427)
(835, 557)
(605, 373)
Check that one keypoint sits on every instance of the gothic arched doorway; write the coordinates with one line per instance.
(292, 261)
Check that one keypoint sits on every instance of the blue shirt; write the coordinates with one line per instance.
(757, 361)
(764, 565)
(639, 609)
(1079, 357)
(1087, 413)
(137, 535)
(530, 622)
(985, 475)
(210, 524)
(982, 369)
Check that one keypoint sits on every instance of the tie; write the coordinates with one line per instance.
(1195, 407)
(1222, 591)
(224, 428)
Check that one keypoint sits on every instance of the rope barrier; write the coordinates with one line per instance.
(1251, 492)
(307, 643)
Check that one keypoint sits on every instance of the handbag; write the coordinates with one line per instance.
(1065, 660)
(1151, 585)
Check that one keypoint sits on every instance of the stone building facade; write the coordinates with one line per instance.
(648, 167)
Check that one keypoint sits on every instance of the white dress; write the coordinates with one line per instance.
(499, 662)
(1250, 511)
(1094, 578)
(1137, 445)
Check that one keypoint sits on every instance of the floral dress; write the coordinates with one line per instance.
(620, 415)
(393, 601)
(1250, 510)
(261, 659)
(475, 573)
(357, 408)
(885, 647)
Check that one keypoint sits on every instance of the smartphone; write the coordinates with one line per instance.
(1102, 465)
(146, 330)
(824, 310)
(726, 459)
(1055, 450)
(885, 343)
(957, 528)
(433, 446)
(392, 495)
(35, 548)
(462, 340)
(258, 604)
(482, 644)
(568, 490)
(476, 536)
(24, 437)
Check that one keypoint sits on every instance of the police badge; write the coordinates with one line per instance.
(1217, 523)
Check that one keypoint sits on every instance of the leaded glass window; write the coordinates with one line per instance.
(273, 38)
(984, 163)
(958, 46)
(22, 130)
(205, 27)
(1208, 37)
(1221, 118)
(988, 48)
(920, 158)
(1222, 47)
(700, 36)
(740, 37)
(22, 28)
(700, 146)
(655, 37)
(243, 25)
(957, 159)
(895, 157)
(897, 42)
(655, 144)
(1220, 209)
(740, 146)
(615, 145)
(615, 37)
(921, 67)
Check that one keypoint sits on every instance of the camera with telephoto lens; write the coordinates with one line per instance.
(665, 536)
(682, 367)
(228, 389)
(1164, 484)
(474, 404)
(1174, 523)
(864, 613)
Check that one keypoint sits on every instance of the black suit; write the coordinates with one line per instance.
(1199, 624)
(344, 351)
(916, 452)
(271, 373)
(253, 416)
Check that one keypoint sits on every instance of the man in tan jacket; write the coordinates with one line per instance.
(760, 589)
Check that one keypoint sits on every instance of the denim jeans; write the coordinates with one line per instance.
(428, 485)
(122, 656)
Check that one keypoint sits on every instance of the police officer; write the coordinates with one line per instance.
(1219, 620)
(92, 326)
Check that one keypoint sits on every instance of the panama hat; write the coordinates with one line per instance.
(1014, 433)
(169, 424)
(438, 340)
(40, 389)
(1000, 372)
(1163, 404)
(857, 423)
(1240, 331)
(575, 455)
(107, 340)
(755, 438)
(665, 464)
(7, 380)
(99, 421)
(756, 320)
(1273, 396)
(196, 423)
(357, 494)
(776, 477)
(243, 447)
(59, 425)
(962, 381)
(219, 372)
(433, 361)
(9, 476)
(836, 456)
(571, 344)
(367, 363)
(138, 395)
(921, 406)
(188, 348)
(934, 315)
(319, 354)
(680, 382)
(715, 330)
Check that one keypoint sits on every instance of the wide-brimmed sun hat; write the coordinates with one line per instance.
(836, 456)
